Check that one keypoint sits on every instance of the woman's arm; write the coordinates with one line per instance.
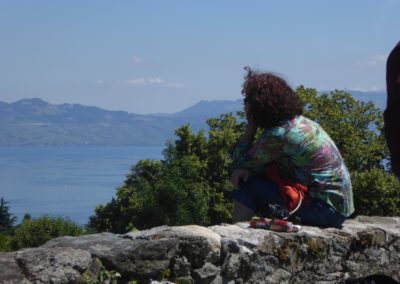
(247, 138)
(249, 132)
(265, 150)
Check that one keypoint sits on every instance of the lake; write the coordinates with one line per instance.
(67, 181)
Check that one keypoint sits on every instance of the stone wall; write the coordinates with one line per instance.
(218, 254)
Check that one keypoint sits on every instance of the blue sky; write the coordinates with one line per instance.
(162, 56)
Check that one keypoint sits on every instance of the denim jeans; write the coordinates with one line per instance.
(256, 193)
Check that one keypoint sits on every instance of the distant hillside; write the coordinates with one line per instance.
(210, 108)
(36, 122)
(198, 114)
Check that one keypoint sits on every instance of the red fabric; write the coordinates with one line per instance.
(292, 192)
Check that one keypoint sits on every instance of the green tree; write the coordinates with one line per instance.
(174, 195)
(7, 220)
(188, 186)
(214, 152)
(121, 213)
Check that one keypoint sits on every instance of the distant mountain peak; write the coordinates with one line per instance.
(211, 108)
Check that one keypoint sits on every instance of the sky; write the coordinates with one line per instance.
(163, 56)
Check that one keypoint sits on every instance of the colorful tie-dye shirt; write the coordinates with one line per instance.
(303, 152)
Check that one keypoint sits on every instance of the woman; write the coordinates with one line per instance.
(294, 163)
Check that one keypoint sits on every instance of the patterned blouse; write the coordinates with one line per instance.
(303, 152)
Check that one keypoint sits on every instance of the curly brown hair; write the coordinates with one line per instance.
(268, 99)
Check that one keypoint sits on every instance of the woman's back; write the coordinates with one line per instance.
(308, 148)
(309, 156)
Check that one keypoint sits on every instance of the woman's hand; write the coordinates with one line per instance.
(238, 175)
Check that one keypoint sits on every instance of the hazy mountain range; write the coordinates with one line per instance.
(36, 122)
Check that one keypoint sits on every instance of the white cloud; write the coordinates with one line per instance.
(137, 81)
(153, 81)
(373, 61)
(175, 85)
(99, 82)
(137, 60)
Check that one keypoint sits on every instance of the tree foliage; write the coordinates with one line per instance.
(188, 187)
(191, 184)
(35, 232)
(376, 192)
(7, 220)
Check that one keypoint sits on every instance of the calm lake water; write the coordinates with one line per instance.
(67, 181)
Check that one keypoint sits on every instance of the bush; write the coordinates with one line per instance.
(376, 192)
(5, 242)
(35, 232)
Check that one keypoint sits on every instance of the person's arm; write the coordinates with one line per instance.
(254, 156)
(249, 132)
(241, 174)
(250, 159)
